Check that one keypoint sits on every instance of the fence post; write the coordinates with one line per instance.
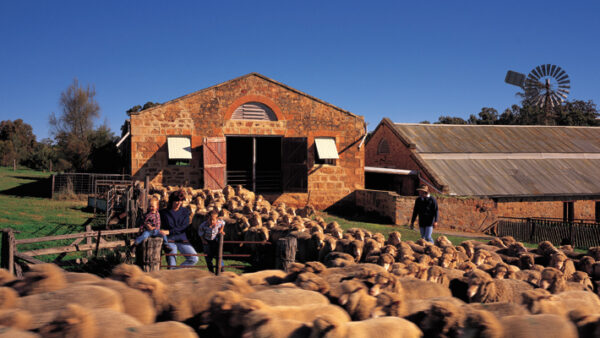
(9, 248)
(147, 254)
(285, 252)
(88, 240)
(532, 224)
(220, 256)
(52, 191)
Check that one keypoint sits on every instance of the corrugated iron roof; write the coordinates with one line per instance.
(509, 161)
(539, 177)
(443, 138)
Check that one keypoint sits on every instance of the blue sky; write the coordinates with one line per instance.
(409, 61)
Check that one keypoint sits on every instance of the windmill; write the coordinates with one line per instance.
(546, 86)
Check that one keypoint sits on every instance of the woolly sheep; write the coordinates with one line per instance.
(421, 289)
(486, 325)
(41, 278)
(483, 288)
(541, 301)
(389, 327)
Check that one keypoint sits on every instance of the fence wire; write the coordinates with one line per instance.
(579, 234)
(83, 183)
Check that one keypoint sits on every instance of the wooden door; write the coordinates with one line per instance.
(215, 162)
(294, 157)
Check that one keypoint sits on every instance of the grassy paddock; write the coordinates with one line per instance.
(385, 229)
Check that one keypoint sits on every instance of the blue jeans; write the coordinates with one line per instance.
(184, 248)
(211, 249)
(426, 233)
(150, 233)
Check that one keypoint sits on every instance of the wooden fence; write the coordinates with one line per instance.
(94, 241)
(580, 234)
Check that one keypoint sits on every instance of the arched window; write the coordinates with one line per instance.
(254, 111)
(383, 147)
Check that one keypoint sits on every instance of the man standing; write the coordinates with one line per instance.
(427, 209)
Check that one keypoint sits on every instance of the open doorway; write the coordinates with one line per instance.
(254, 162)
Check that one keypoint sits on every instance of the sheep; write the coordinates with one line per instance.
(484, 324)
(385, 260)
(443, 241)
(77, 321)
(41, 278)
(288, 295)
(329, 245)
(499, 309)
(594, 252)
(530, 276)
(482, 256)
(80, 277)
(6, 276)
(16, 318)
(11, 332)
(9, 298)
(540, 301)
(312, 282)
(586, 264)
(90, 296)
(338, 259)
(304, 313)
(355, 248)
(356, 300)
(390, 304)
(334, 230)
(135, 303)
(394, 238)
(163, 329)
(264, 277)
(127, 273)
(553, 280)
(260, 324)
(502, 271)
(390, 327)
(483, 288)
(180, 275)
(423, 289)
(583, 279)
(561, 262)
(441, 319)
(497, 242)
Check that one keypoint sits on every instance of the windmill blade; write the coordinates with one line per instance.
(553, 70)
(562, 78)
(565, 81)
(537, 71)
(546, 69)
(566, 91)
(563, 95)
(564, 87)
(560, 74)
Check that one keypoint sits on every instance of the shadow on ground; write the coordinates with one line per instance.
(40, 187)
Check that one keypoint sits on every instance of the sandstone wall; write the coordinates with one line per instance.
(207, 114)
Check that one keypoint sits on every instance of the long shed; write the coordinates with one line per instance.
(529, 171)
(257, 132)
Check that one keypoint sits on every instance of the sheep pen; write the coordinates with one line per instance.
(352, 283)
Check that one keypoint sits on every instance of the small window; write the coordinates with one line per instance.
(383, 147)
(180, 150)
(254, 111)
(326, 151)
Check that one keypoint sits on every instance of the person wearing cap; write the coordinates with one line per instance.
(176, 219)
(426, 208)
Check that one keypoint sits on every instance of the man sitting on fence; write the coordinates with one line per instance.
(176, 219)
(208, 232)
(151, 226)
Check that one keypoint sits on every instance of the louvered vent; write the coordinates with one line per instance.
(383, 147)
(254, 111)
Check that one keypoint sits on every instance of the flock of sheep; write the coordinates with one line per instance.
(351, 283)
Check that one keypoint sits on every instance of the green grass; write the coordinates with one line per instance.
(385, 229)
(26, 207)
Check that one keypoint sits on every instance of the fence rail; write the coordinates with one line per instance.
(11, 253)
(580, 234)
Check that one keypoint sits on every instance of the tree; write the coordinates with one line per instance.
(73, 126)
(104, 155)
(16, 141)
(43, 157)
(450, 120)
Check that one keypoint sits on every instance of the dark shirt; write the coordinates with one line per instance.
(427, 210)
(151, 219)
(176, 222)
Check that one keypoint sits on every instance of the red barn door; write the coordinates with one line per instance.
(215, 162)
(295, 169)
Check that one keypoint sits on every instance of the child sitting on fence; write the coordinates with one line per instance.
(151, 226)
(208, 232)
